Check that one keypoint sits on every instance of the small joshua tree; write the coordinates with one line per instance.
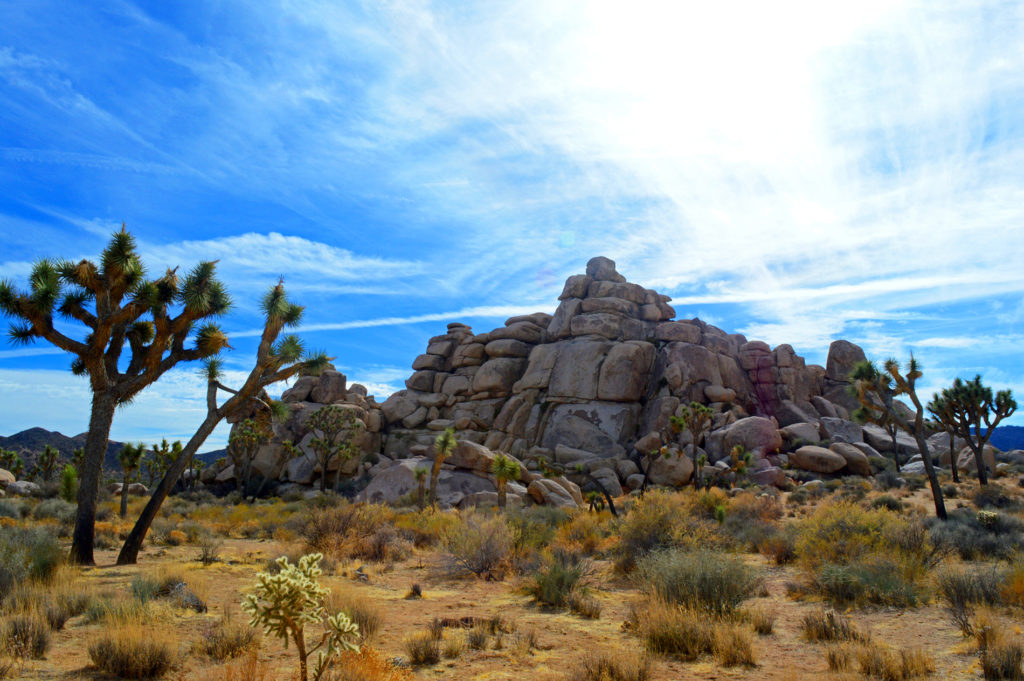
(443, 446)
(68, 483)
(503, 469)
(283, 604)
(876, 391)
(12, 462)
(335, 429)
(129, 458)
(243, 443)
(421, 486)
(46, 464)
(973, 406)
(158, 459)
(696, 418)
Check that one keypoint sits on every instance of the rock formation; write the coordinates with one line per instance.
(593, 385)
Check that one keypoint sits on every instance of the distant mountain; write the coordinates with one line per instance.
(1008, 437)
(28, 444)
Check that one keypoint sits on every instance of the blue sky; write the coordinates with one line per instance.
(792, 171)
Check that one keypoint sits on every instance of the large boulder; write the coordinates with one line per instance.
(625, 371)
(496, 376)
(843, 356)
(770, 476)
(577, 369)
(399, 480)
(137, 489)
(817, 459)
(882, 441)
(550, 493)
(804, 433)
(22, 488)
(755, 434)
(856, 460)
(603, 269)
(840, 430)
(6, 477)
(300, 391)
(471, 456)
(966, 461)
(671, 471)
(330, 387)
(609, 480)
(598, 427)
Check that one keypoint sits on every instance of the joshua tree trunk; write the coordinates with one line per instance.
(100, 419)
(124, 495)
(953, 457)
(979, 459)
(895, 449)
(421, 492)
(502, 494)
(133, 544)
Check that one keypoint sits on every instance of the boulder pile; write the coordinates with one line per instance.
(590, 390)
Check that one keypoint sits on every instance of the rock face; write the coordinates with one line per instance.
(593, 385)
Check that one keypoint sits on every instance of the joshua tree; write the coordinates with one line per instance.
(504, 468)
(46, 463)
(196, 467)
(876, 390)
(159, 459)
(116, 304)
(12, 462)
(243, 443)
(421, 486)
(276, 360)
(335, 431)
(77, 457)
(696, 418)
(443, 446)
(942, 409)
(129, 457)
(971, 405)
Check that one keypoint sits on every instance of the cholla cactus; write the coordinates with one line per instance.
(283, 604)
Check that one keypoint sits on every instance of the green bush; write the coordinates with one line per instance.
(57, 509)
(704, 580)
(997, 536)
(887, 501)
(878, 582)
(68, 489)
(562, 574)
(27, 553)
(479, 546)
(11, 509)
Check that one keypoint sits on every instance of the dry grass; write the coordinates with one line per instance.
(879, 662)
(828, 625)
(617, 665)
(26, 635)
(422, 648)
(733, 645)
(249, 668)
(131, 651)
(360, 610)
(366, 665)
(761, 618)
(227, 638)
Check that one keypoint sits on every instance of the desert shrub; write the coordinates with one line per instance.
(534, 527)
(962, 590)
(476, 639)
(761, 619)
(675, 631)
(838, 657)
(617, 665)
(425, 529)
(1013, 586)
(209, 549)
(991, 536)
(878, 662)
(479, 546)
(132, 652)
(703, 580)
(562, 574)
(780, 546)
(584, 604)
(26, 635)
(11, 509)
(27, 553)
(662, 519)
(888, 479)
(914, 482)
(422, 649)
(109, 608)
(454, 645)
(330, 530)
(992, 496)
(888, 502)
(227, 638)
(733, 645)
(362, 611)
(1003, 661)
(583, 532)
(366, 665)
(879, 582)
(385, 544)
(840, 533)
(950, 491)
(828, 625)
